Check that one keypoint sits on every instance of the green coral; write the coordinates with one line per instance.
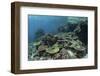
(52, 50)
(36, 43)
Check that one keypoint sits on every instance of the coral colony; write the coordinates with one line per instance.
(69, 42)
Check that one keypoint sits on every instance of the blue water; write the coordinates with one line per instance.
(48, 23)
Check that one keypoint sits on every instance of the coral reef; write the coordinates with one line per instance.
(63, 45)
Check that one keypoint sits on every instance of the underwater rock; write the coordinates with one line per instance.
(32, 53)
(57, 56)
(71, 55)
(80, 54)
(49, 40)
(82, 31)
(42, 48)
(64, 53)
(85, 56)
(36, 58)
(67, 54)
